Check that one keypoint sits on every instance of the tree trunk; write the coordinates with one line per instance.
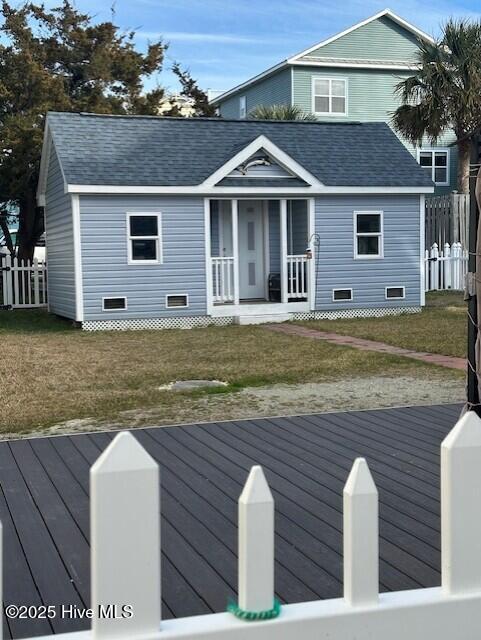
(6, 233)
(30, 226)
(464, 156)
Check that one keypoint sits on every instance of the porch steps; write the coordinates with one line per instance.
(262, 318)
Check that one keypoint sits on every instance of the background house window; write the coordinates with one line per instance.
(436, 163)
(144, 237)
(329, 96)
(242, 107)
(368, 234)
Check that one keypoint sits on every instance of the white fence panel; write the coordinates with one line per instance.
(126, 544)
(445, 269)
(23, 284)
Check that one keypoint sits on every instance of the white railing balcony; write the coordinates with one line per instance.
(222, 279)
(297, 276)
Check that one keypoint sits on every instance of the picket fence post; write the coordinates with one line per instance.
(446, 282)
(256, 544)
(461, 506)
(361, 536)
(125, 540)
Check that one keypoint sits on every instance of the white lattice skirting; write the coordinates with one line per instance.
(142, 324)
(345, 314)
(190, 322)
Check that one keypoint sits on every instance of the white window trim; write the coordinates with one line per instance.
(242, 107)
(380, 234)
(313, 96)
(343, 289)
(395, 286)
(434, 150)
(175, 295)
(158, 238)
(113, 298)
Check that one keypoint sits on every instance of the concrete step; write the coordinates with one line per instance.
(262, 318)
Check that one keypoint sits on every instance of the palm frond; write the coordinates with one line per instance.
(281, 112)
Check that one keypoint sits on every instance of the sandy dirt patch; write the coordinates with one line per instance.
(282, 399)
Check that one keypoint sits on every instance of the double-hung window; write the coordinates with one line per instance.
(368, 234)
(242, 107)
(144, 238)
(329, 96)
(436, 163)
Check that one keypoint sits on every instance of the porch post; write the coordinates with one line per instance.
(283, 213)
(208, 257)
(235, 247)
(311, 292)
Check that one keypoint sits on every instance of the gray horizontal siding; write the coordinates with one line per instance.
(59, 243)
(336, 267)
(273, 90)
(381, 39)
(105, 269)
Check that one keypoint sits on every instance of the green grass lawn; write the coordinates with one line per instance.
(441, 327)
(52, 372)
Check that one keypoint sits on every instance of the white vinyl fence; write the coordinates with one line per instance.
(445, 269)
(22, 284)
(125, 558)
(447, 219)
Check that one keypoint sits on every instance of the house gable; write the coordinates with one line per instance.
(261, 159)
(382, 40)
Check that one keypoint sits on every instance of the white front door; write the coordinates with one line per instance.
(252, 284)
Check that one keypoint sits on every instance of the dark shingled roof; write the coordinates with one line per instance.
(154, 151)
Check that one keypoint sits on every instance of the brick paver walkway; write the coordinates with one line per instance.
(368, 345)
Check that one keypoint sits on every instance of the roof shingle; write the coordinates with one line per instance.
(156, 151)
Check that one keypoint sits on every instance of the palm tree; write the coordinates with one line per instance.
(280, 112)
(445, 92)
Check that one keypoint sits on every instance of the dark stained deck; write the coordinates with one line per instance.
(44, 507)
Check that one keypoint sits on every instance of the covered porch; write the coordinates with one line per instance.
(260, 256)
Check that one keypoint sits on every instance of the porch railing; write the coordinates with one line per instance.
(222, 279)
(297, 276)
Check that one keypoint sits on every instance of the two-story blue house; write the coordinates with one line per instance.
(349, 77)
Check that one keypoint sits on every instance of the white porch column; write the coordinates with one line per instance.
(208, 257)
(235, 247)
(311, 292)
(283, 214)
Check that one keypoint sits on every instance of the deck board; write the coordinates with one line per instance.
(44, 506)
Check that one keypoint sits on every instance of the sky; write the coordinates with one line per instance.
(224, 42)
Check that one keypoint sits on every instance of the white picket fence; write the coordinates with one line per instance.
(445, 269)
(22, 284)
(125, 558)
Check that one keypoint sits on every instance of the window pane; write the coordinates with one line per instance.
(368, 245)
(321, 105)
(338, 88)
(369, 223)
(143, 225)
(251, 236)
(321, 87)
(440, 175)
(426, 159)
(338, 105)
(144, 249)
(441, 159)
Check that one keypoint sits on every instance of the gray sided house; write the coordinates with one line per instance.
(350, 76)
(166, 222)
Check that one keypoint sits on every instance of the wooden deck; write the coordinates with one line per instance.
(44, 507)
